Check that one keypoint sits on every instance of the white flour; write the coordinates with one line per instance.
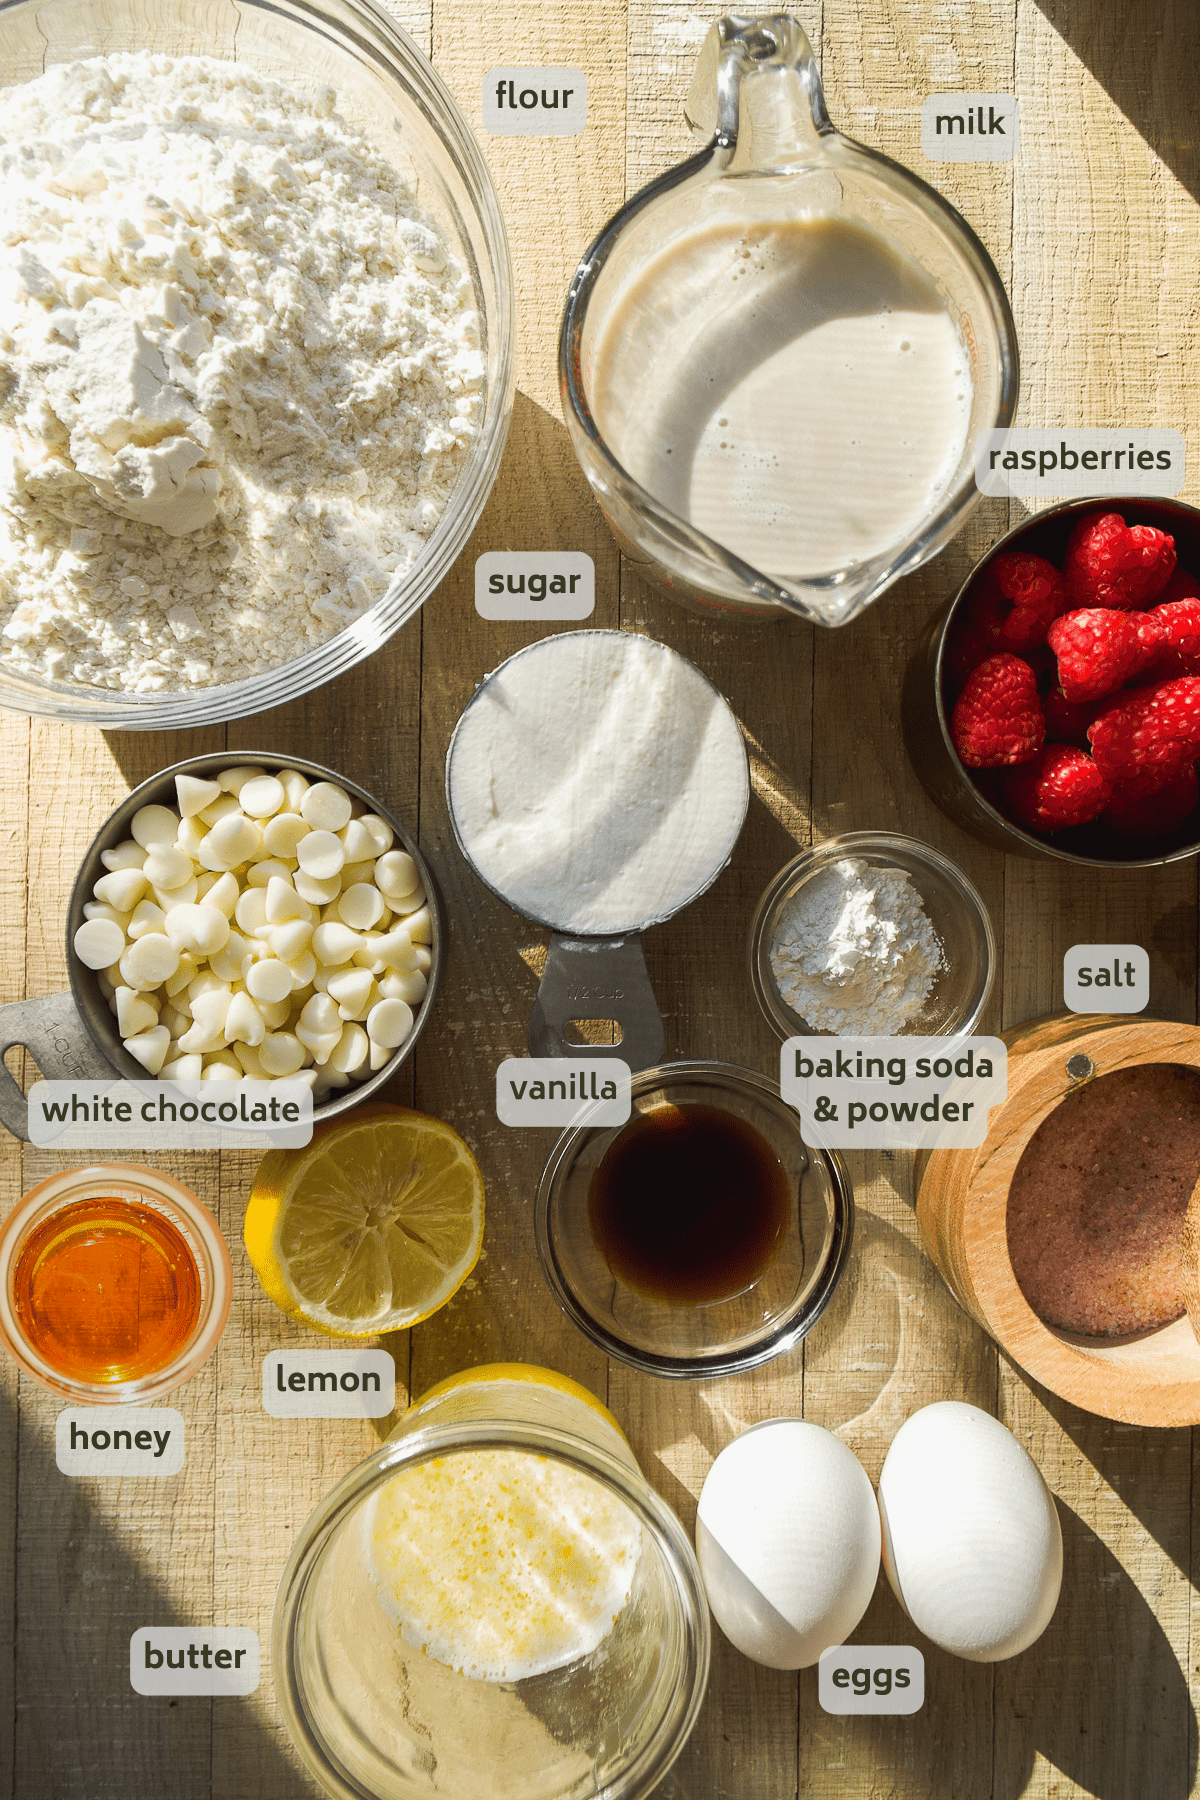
(854, 952)
(238, 374)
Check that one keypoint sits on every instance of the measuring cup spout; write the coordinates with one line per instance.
(757, 92)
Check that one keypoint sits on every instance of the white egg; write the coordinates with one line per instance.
(971, 1540)
(787, 1533)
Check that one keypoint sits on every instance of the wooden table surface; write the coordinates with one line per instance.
(1094, 230)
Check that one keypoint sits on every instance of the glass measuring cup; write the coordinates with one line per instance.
(373, 1714)
(773, 163)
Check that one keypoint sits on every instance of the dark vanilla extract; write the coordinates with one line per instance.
(689, 1205)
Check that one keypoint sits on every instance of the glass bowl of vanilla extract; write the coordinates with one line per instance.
(701, 1237)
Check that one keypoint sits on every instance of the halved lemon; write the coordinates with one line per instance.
(371, 1227)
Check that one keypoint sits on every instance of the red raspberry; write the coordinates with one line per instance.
(1136, 814)
(1096, 649)
(1177, 623)
(1152, 642)
(1061, 787)
(1019, 599)
(966, 649)
(1148, 731)
(1181, 586)
(998, 719)
(1067, 721)
(1113, 564)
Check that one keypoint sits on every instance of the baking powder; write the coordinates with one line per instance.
(854, 951)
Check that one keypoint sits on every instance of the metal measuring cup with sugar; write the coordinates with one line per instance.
(596, 783)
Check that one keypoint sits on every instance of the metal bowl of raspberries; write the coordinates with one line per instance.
(1053, 709)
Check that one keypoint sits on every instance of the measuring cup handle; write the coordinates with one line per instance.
(54, 1035)
(767, 120)
(597, 978)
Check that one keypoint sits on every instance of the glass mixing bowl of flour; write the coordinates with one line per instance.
(871, 934)
(191, 537)
(777, 359)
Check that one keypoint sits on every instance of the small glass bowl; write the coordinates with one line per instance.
(718, 1337)
(195, 1224)
(956, 912)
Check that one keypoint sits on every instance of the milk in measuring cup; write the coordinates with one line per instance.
(795, 389)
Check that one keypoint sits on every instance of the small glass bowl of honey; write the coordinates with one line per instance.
(115, 1283)
(701, 1237)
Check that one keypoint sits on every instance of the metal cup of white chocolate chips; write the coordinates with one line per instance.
(256, 918)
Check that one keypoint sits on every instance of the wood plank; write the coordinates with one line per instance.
(1097, 233)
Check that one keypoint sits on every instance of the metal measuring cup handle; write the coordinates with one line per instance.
(597, 978)
(55, 1036)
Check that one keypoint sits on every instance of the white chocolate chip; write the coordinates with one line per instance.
(244, 1021)
(98, 943)
(317, 893)
(183, 895)
(150, 1048)
(192, 833)
(326, 807)
(352, 989)
(282, 834)
(261, 797)
(231, 963)
(419, 926)
(408, 985)
(290, 939)
(223, 894)
(220, 809)
(127, 855)
(321, 855)
(251, 909)
(295, 786)
(99, 909)
(303, 968)
(235, 838)
(194, 794)
(281, 1053)
(334, 943)
(168, 867)
(122, 889)
(397, 874)
(389, 1023)
(351, 1050)
(357, 842)
(259, 874)
(282, 902)
(232, 781)
(269, 980)
(201, 929)
(135, 1012)
(360, 906)
(381, 832)
(155, 827)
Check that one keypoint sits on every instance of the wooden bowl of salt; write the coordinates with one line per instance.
(1067, 1234)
